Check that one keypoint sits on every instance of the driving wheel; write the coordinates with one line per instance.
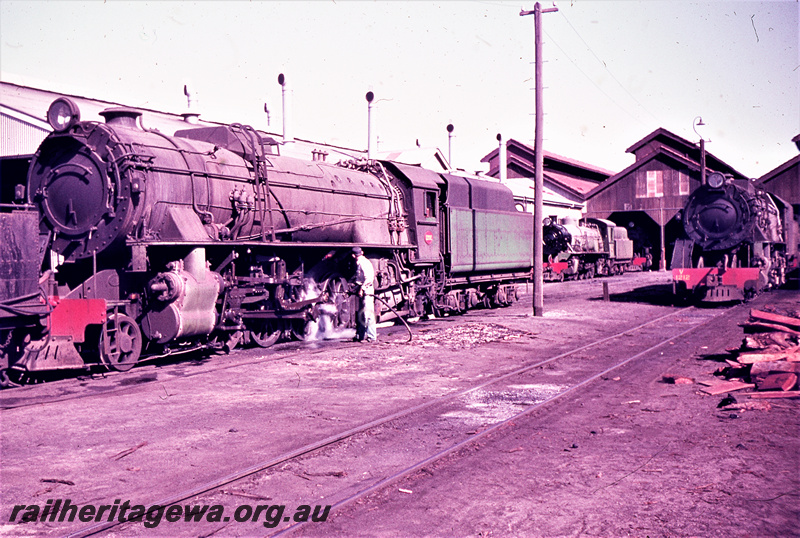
(120, 343)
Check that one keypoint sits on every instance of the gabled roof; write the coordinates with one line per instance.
(638, 164)
(664, 138)
(577, 188)
(775, 173)
(570, 175)
(34, 103)
(551, 159)
(672, 147)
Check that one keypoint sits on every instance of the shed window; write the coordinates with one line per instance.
(683, 183)
(655, 184)
(430, 205)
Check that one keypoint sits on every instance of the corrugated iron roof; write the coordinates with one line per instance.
(20, 134)
(551, 158)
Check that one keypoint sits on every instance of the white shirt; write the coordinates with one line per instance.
(365, 274)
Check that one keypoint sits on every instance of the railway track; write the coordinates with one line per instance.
(161, 369)
(408, 440)
(114, 383)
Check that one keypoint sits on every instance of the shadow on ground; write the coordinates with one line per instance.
(657, 294)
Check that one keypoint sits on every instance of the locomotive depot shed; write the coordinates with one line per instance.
(590, 420)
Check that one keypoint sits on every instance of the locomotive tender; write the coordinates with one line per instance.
(735, 244)
(128, 241)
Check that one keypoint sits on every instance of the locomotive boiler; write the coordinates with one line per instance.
(734, 244)
(150, 243)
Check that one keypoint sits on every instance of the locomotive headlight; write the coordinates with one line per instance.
(715, 180)
(63, 114)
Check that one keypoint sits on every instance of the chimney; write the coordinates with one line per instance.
(503, 166)
(191, 117)
(287, 105)
(450, 129)
(122, 117)
(191, 101)
(370, 98)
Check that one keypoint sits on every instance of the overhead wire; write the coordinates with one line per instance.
(601, 90)
(633, 115)
(605, 66)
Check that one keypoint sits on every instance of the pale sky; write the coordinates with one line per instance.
(614, 71)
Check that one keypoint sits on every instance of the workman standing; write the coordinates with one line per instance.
(365, 290)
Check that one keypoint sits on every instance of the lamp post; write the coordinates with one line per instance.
(698, 122)
(662, 264)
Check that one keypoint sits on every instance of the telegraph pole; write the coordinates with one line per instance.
(538, 181)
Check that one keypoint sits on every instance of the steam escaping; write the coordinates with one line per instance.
(324, 327)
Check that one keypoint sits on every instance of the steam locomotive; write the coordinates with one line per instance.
(582, 249)
(735, 244)
(128, 243)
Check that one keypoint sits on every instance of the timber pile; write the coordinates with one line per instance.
(769, 357)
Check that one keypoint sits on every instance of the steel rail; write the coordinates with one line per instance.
(312, 447)
(276, 356)
(476, 437)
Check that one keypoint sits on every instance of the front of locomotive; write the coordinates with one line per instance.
(85, 195)
(556, 239)
(718, 216)
(719, 219)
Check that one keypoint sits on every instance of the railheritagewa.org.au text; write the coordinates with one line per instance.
(61, 510)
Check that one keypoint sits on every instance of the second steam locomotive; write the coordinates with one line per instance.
(735, 244)
(135, 242)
